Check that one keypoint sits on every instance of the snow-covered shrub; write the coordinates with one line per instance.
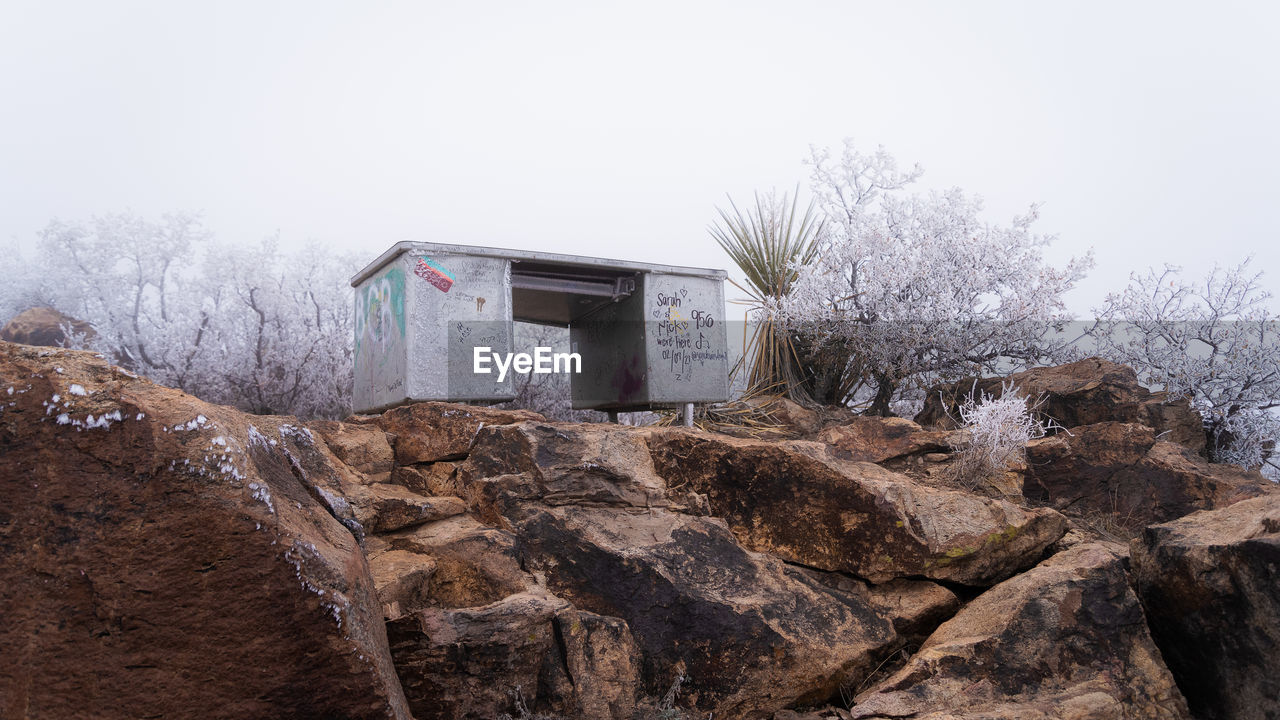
(999, 429)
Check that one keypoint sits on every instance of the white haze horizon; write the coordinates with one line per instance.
(1145, 131)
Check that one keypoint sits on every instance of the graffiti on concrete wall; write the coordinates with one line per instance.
(684, 333)
(380, 332)
(434, 273)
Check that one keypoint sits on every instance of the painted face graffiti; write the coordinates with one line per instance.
(380, 312)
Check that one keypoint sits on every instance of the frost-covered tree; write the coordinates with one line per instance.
(254, 327)
(286, 324)
(132, 279)
(1214, 342)
(911, 289)
(24, 286)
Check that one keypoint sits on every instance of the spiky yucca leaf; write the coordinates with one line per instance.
(769, 243)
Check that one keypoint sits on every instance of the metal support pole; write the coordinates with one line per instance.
(688, 414)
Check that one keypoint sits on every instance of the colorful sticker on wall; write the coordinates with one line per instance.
(432, 272)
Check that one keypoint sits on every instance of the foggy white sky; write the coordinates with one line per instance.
(1148, 130)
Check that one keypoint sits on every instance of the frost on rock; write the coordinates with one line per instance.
(263, 495)
(222, 460)
(257, 438)
(298, 554)
(199, 422)
(102, 421)
(296, 433)
(76, 389)
(217, 463)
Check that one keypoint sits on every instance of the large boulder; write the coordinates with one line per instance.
(1209, 583)
(752, 635)
(1063, 640)
(44, 326)
(1080, 393)
(164, 557)
(473, 663)
(1124, 470)
(598, 527)
(852, 517)
(469, 628)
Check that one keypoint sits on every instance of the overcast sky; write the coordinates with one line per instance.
(1147, 130)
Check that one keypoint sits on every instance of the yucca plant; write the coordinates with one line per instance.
(769, 243)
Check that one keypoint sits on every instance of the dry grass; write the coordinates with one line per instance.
(752, 416)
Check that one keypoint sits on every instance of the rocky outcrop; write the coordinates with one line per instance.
(1080, 393)
(1122, 469)
(44, 326)
(1209, 585)
(163, 557)
(1063, 640)
(856, 518)
(167, 557)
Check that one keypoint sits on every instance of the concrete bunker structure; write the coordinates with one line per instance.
(648, 336)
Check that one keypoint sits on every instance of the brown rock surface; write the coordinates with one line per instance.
(382, 507)
(363, 448)
(1122, 469)
(163, 557)
(473, 564)
(853, 517)
(432, 431)
(593, 520)
(1080, 393)
(43, 326)
(469, 626)
(877, 439)
(428, 478)
(467, 663)
(559, 464)
(1210, 583)
(753, 634)
(1063, 640)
